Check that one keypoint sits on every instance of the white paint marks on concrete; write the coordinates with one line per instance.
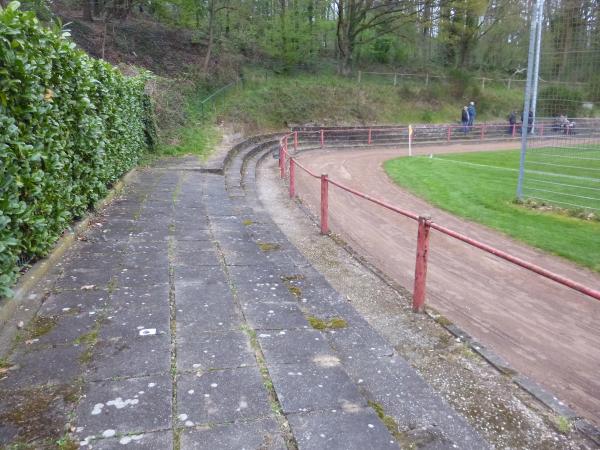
(127, 439)
(148, 332)
(119, 403)
(108, 433)
(183, 417)
(151, 385)
(213, 385)
(97, 409)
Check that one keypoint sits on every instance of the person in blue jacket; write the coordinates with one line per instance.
(472, 113)
(464, 119)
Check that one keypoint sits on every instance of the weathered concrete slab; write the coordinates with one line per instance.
(131, 323)
(135, 405)
(294, 346)
(337, 430)
(361, 341)
(203, 351)
(311, 387)
(81, 278)
(221, 396)
(62, 329)
(58, 365)
(129, 357)
(159, 440)
(259, 434)
(273, 315)
(67, 302)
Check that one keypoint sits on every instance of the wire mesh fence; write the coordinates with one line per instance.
(561, 165)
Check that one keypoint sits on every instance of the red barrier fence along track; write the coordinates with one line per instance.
(425, 225)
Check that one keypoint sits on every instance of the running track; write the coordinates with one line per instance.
(544, 330)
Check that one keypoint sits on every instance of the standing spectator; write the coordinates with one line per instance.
(512, 121)
(465, 119)
(472, 113)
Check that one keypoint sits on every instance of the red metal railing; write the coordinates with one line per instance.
(424, 225)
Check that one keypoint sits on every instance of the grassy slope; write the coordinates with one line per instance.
(268, 103)
(486, 196)
(272, 103)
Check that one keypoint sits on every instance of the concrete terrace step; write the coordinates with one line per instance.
(361, 356)
(179, 320)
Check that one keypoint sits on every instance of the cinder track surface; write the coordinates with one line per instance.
(544, 330)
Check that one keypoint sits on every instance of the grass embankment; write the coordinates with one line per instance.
(184, 128)
(486, 195)
(275, 102)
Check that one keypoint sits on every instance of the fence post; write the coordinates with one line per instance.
(281, 174)
(292, 178)
(324, 204)
(322, 137)
(295, 140)
(421, 263)
(483, 84)
(395, 79)
(359, 76)
(482, 132)
(282, 159)
(514, 129)
(427, 79)
(369, 136)
(449, 132)
(542, 129)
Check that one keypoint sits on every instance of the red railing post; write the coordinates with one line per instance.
(295, 140)
(282, 161)
(322, 137)
(369, 136)
(280, 156)
(324, 204)
(421, 264)
(449, 133)
(292, 178)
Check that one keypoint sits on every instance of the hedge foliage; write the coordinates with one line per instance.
(70, 126)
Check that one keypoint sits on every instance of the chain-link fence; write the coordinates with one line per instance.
(561, 157)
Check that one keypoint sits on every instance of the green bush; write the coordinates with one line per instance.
(71, 126)
(556, 100)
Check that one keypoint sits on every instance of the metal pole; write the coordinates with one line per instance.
(281, 161)
(292, 178)
(527, 100)
(324, 204)
(421, 263)
(536, 72)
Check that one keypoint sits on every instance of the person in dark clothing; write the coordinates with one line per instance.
(530, 122)
(512, 121)
(472, 113)
(465, 119)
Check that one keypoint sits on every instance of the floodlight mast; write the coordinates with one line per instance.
(528, 93)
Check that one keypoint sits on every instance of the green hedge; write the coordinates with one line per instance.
(70, 126)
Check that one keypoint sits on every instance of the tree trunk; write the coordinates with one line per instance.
(211, 26)
(87, 10)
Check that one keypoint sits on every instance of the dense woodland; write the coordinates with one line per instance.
(475, 35)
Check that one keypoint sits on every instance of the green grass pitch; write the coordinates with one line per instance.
(481, 187)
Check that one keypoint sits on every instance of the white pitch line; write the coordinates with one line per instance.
(538, 172)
